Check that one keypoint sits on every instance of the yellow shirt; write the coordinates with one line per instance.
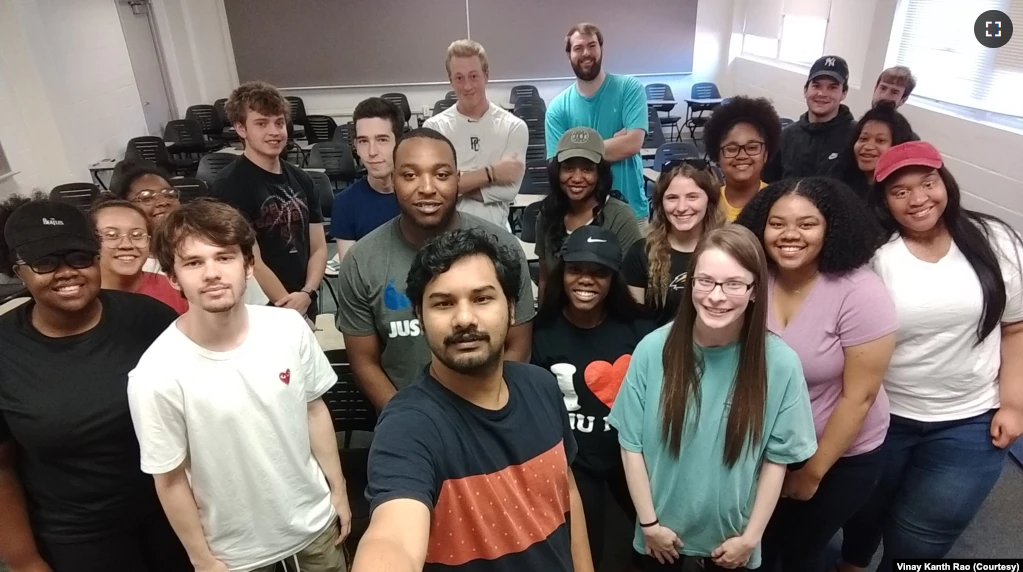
(731, 213)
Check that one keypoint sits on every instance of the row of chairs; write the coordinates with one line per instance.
(83, 195)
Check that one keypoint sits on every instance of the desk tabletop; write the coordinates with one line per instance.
(705, 101)
(523, 201)
(648, 152)
(651, 175)
(661, 102)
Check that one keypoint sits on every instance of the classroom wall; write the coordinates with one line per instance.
(985, 159)
(67, 90)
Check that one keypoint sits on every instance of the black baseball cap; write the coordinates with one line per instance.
(830, 66)
(593, 244)
(42, 228)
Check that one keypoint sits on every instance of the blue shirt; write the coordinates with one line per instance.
(620, 103)
(358, 210)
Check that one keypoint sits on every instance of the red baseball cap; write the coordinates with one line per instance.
(911, 154)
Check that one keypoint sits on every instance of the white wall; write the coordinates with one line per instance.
(986, 160)
(67, 93)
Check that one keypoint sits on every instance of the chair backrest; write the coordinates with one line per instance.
(149, 148)
(705, 90)
(186, 133)
(442, 104)
(534, 180)
(451, 96)
(401, 101)
(675, 151)
(536, 152)
(349, 408)
(523, 91)
(533, 116)
(533, 100)
(335, 159)
(658, 92)
(221, 106)
(80, 195)
(324, 191)
(210, 165)
(209, 118)
(654, 133)
(319, 128)
(786, 121)
(529, 216)
(297, 109)
(190, 188)
(345, 134)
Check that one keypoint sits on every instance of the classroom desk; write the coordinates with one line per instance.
(697, 105)
(656, 102)
(648, 152)
(522, 201)
(651, 175)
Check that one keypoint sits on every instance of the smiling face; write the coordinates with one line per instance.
(154, 195)
(586, 285)
(916, 198)
(211, 277)
(578, 178)
(66, 289)
(742, 154)
(874, 140)
(716, 309)
(468, 80)
(264, 134)
(466, 316)
(794, 235)
(426, 182)
(124, 240)
(585, 55)
(374, 142)
(823, 96)
(684, 204)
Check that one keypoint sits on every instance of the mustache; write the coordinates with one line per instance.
(466, 336)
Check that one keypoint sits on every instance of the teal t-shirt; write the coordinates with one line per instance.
(696, 495)
(620, 103)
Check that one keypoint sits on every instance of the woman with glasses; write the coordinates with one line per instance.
(827, 305)
(685, 208)
(72, 495)
(741, 136)
(878, 130)
(713, 410)
(123, 232)
(581, 185)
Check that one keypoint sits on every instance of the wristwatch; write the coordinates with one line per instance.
(311, 293)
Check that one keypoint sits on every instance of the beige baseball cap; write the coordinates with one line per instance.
(580, 142)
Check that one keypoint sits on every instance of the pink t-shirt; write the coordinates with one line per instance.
(839, 312)
(158, 286)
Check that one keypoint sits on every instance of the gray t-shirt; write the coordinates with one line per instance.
(372, 294)
(618, 218)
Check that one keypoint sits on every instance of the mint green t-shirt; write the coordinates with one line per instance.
(696, 495)
(619, 103)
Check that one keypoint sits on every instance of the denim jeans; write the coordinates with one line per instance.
(936, 476)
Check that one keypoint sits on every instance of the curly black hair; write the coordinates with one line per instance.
(852, 234)
(440, 252)
(757, 111)
(127, 171)
(11, 204)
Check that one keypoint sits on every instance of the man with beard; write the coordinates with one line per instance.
(469, 468)
(382, 332)
(611, 104)
(227, 407)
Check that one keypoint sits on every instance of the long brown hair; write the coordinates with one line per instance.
(683, 363)
(658, 250)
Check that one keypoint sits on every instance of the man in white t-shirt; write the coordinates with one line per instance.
(490, 142)
(227, 408)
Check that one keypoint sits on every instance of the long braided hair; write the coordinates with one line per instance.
(555, 206)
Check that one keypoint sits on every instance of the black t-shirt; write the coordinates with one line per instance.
(636, 268)
(64, 402)
(280, 208)
(496, 481)
(601, 356)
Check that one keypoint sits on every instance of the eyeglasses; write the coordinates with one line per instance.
(77, 259)
(112, 239)
(729, 287)
(148, 197)
(752, 149)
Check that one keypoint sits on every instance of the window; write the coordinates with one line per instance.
(935, 39)
(791, 31)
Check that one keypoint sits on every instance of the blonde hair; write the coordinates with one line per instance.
(658, 249)
(898, 75)
(467, 49)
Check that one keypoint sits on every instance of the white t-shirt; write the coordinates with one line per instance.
(253, 293)
(937, 373)
(239, 420)
(483, 142)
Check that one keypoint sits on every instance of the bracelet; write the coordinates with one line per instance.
(649, 524)
(490, 174)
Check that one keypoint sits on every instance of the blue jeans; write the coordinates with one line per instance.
(935, 478)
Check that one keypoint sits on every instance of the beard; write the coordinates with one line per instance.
(590, 75)
(485, 360)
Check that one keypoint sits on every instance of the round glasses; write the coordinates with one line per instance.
(77, 259)
(148, 197)
(752, 149)
(112, 239)
(729, 287)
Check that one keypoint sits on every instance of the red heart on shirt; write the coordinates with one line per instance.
(286, 376)
(604, 379)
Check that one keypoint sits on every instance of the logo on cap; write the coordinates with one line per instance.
(830, 62)
(53, 222)
(580, 136)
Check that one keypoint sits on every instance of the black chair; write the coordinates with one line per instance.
(154, 150)
(451, 96)
(401, 101)
(535, 101)
(335, 159)
(655, 133)
(325, 196)
(441, 105)
(536, 152)
(319, 128)
(227, 132)
(533, 116)
(190, 188)
(675, 151)
(523, 92)
(662, 92)
(786, 121)
(189, 138)
(13, 290)
(212, 164)
(210, 119)
(81, 195)
(694, 116)
(297, 116)
(534, 180)
(529, 216)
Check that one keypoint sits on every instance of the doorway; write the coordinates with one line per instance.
(147, 63)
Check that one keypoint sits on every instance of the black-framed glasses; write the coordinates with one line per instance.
(752, 149)
(729, 287)
(149, 196)
(77, 259)
(112, 239)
